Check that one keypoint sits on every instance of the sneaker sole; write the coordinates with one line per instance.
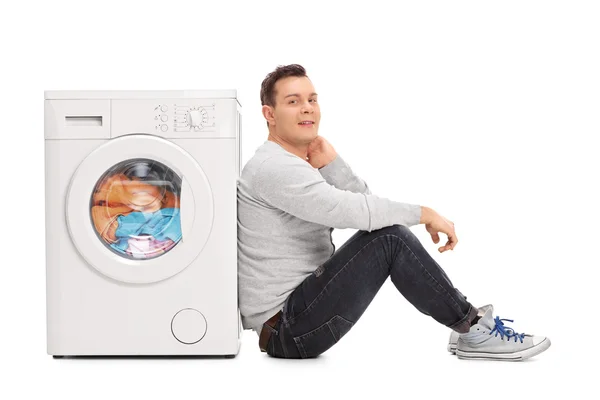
(451, 348)
(517, 356)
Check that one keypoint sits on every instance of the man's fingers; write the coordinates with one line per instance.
(450, 244)
(452, 241)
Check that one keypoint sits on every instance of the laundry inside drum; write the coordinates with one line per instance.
(135, 208)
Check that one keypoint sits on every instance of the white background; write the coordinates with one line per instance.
(487, 112)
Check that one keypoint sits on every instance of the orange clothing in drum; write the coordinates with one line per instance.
(119, 195)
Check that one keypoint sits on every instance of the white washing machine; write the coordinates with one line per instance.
(141, 222)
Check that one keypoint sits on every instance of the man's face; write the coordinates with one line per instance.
(296, 101)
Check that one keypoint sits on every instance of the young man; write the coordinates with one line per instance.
(300, 295)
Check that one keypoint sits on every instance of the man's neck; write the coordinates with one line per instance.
(298, 151)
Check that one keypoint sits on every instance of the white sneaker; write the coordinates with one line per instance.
(489, 339)
(454, 335)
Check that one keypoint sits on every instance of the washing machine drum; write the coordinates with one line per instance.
(135, 208)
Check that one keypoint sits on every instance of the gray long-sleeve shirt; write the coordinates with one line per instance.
(286, 212)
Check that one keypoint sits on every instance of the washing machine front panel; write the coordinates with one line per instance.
(139, 209)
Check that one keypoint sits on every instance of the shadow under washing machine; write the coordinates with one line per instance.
(141, 222)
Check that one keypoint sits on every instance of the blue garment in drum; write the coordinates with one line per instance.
(162, 225)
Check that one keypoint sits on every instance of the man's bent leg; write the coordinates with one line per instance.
(327, 304)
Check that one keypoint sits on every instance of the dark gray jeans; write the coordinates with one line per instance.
(323, 308)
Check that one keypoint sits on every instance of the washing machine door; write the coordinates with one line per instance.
(139, 209)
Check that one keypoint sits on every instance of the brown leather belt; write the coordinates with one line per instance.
(265, 333)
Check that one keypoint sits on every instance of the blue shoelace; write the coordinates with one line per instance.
(506, 331)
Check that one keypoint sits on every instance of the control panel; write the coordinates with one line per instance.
(184, 117)
(174, 118)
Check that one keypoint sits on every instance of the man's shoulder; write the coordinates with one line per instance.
(268, 162)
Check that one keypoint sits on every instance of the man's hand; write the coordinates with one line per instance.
(320, 152)
(435, 223)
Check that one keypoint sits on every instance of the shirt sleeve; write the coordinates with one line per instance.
(292, 185)
(339, 174)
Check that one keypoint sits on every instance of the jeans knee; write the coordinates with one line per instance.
(400, 234)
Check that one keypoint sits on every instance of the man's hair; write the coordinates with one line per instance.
(267, 88)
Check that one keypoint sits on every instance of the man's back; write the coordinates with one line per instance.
(276, 250)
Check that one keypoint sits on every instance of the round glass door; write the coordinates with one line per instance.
(139, 209)
(135, 208)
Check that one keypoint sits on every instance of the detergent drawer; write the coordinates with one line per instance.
(77, 119)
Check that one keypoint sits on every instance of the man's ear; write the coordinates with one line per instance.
(268, 114)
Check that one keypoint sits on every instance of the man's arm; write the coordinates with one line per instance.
(292, 185)
(339, 174)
